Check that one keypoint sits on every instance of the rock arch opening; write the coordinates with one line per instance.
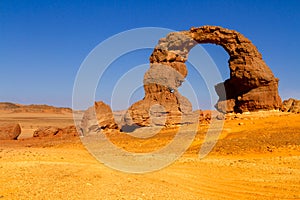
(202, 60)
(219, 56)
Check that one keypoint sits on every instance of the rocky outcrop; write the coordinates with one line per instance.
(291, 105)
(97, 117)
(251, 86)
(9, 131)
(52, 131)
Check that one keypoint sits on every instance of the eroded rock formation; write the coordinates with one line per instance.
(9, 131)
(291, 105)
(251, 86)
(52, 131)
(98, 117)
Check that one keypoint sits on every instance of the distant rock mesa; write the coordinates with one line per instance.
(19, 108)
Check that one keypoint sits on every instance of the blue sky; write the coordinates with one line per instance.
(43, 43)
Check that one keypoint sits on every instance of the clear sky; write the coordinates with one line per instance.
(43, 43)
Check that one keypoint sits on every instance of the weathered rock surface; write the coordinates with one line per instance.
(9, 131)
(291, 105)
(251, 86)
(98, 117)
(47, 131)
(52, 131)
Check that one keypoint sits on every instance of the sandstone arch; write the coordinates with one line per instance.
(251, 86)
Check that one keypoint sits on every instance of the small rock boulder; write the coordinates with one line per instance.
(9, 131)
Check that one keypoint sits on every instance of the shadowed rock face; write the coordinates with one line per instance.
(251, 86)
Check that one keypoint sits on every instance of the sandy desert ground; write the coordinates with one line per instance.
(256, 157)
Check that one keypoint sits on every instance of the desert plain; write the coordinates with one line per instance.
(257, 156)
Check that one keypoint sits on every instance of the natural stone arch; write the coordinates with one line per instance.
(251, 86)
